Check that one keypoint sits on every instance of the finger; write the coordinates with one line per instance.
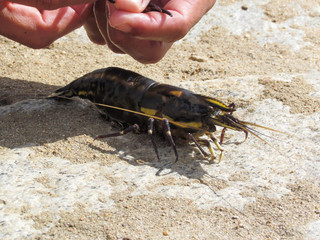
(101, 12)
(51, 4)
(136, 6)
(161, 27)
(144, 51)
(93, 31)
(37, 29)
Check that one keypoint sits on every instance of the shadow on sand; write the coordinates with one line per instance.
(27, 118)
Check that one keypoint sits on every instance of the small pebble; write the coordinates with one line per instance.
(244, 7)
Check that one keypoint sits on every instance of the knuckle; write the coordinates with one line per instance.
(148, 60)
(38, 44)
(181, 31)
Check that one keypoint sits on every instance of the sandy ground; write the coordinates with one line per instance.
(55, 184)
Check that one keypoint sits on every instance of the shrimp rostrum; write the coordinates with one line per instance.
(143, 105)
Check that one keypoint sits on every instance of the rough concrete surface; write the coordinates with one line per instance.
(56, 183)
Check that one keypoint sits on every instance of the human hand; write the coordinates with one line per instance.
(144, 36)
(50, 4)
(31, 25)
